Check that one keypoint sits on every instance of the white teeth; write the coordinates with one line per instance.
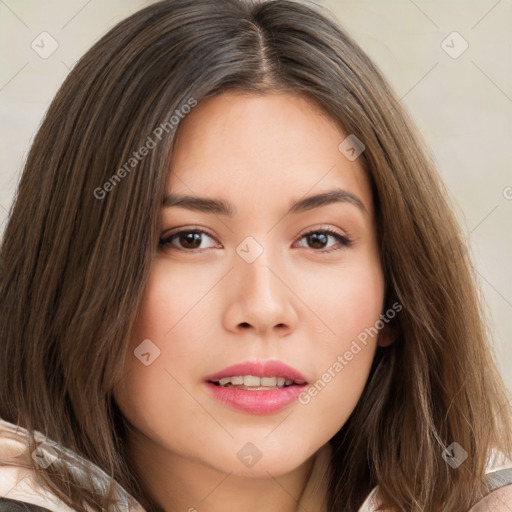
(253, 381)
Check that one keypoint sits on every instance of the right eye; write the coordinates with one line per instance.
(186, 240)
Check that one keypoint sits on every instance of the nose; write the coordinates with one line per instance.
(260, 298)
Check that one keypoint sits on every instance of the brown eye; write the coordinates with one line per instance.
(186, 240)
(319, 238)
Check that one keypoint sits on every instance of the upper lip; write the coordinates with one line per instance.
(259, 369)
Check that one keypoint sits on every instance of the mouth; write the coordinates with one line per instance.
(253, 382)
(257, 387)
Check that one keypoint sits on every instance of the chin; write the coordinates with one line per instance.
(258, 458)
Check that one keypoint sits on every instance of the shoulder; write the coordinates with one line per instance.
(499, 483)
(19, 485)
(19, 490)
(8, 505)
(500, 493)
(499, 500)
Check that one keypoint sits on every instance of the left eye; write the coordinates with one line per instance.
(192, 239)
(320, 237)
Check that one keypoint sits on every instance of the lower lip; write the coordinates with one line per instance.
(256, 402)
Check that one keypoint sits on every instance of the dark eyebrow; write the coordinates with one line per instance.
(219, 207)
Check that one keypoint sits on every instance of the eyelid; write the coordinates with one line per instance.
(325, 227)
(186, 228)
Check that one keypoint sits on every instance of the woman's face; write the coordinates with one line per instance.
(254, 287)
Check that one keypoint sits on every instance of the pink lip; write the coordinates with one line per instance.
(257, 401)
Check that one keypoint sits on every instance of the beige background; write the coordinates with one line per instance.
(461, 102)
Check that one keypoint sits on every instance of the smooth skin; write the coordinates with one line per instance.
(302, 301)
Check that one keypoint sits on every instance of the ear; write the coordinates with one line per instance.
(387, 336)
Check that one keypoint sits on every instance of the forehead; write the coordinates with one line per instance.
(262, 148)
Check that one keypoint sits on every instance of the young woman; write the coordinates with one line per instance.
(231, 280)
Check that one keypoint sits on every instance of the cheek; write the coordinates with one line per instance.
(346, 299)
(343, 365)
(158, 398)
(349, 304)
(172, 294)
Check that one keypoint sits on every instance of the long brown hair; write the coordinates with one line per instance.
(78, 248)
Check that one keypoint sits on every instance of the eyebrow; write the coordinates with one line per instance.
(220, 207)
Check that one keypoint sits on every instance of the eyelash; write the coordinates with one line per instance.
(342, 240)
